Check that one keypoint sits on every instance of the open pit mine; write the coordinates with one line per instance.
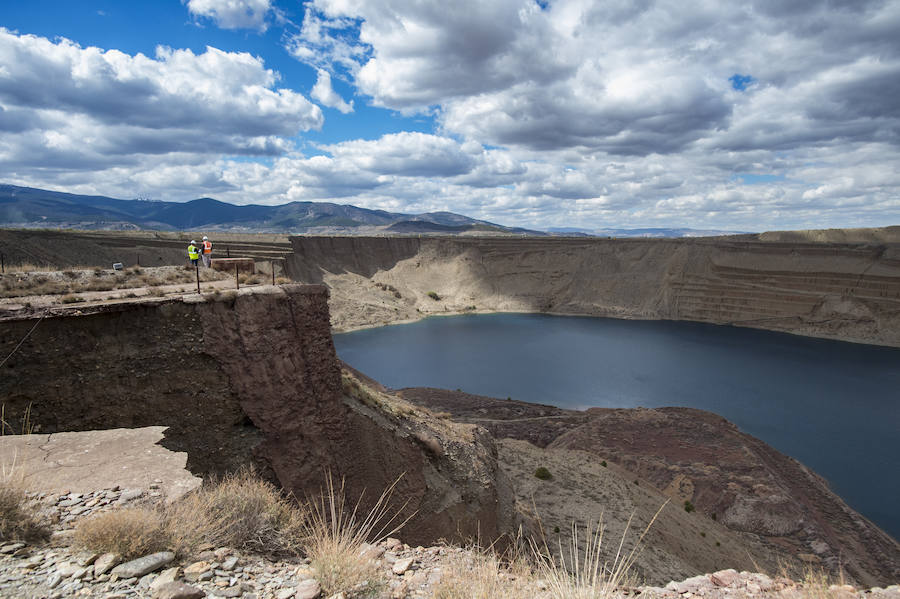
(251, 377)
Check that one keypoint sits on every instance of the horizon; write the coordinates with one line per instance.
(536, 114)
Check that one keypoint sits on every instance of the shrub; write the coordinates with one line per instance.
(130, 532)
(484, 575)
(688, 506)
(582, 570)
(240, 510)
(542, 473)
(434, 296)
(603, 463)
(337, 538)
(71, 299)
(19, 520)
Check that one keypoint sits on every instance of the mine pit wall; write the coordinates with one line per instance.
(247, 378)
(842, 291)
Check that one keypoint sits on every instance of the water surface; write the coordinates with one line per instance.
(834, 406)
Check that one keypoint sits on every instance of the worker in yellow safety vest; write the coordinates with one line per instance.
(207, 251)
(193, 253)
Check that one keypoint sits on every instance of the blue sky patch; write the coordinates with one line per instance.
(741, 82)
(752, 179)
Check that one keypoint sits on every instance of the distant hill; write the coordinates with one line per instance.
(30, 208)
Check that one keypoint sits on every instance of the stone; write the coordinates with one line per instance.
(11, 547)
(105, 563)
(193, 572)
(724, 578)
(86, 559)
(129, 495)
(229, 564)
(144, 565)
(166, 576)
(286, 593)
(340, 595)
(308, 589)
(235, 591)
(177, 590)
(67, 569)
(53, 580)
(402, 565)
(392, 543)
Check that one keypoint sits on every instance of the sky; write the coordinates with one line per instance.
(750, 116)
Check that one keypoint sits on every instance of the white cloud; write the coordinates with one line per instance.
(581, 113)
(62, 105)
(232, 14)
(323, 93)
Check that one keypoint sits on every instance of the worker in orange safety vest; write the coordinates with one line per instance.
(207, 251)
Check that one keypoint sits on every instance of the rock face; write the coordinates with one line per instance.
(842, 291)
(246, 378)
(693, 455)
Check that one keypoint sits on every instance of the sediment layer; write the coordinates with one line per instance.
(841, 291)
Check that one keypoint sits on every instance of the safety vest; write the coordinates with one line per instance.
(193, 252)
(207, 247)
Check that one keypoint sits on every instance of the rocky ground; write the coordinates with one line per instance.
(58, 570)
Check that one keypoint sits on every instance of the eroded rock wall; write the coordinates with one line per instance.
(842, 291)
(247, 378)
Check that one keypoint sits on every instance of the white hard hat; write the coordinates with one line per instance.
(205, 238)
(192, 241)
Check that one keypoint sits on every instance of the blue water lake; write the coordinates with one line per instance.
(834, 406)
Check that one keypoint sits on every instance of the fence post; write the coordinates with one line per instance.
(237, 281)
(3, 264)
(273, 271)
(197, 270)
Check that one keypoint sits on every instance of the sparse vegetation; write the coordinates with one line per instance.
(71, 281)
(72, 299)
(337, 540)
(542, 473)
(603, 463)
(484, 575)
(130, 532)
(19, 519)
(240, 510)
(434, 296)
(688, 506)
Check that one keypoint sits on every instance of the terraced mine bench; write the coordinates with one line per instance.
(246, 265)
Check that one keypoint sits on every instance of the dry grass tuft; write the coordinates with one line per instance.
(19, 519)
(337, 541)
(582, 571)
(240, 510)
(130, 532)
(483, 575)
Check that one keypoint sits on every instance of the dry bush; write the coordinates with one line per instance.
(582, 571)
(19, 519)
(282, 280)
(483, 575)
(71, 299)
(130, 532)
(337, 538)
(240, 510)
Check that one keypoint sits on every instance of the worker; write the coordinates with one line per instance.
(193, 253)
(207, 251)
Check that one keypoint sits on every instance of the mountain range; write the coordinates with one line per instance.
(28, 207)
